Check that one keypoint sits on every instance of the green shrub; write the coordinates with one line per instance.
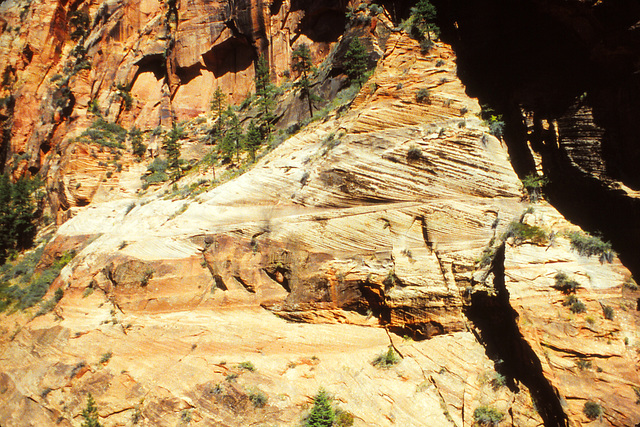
(608, 312)
(524, 232)
(592, 410)
(498, 381)
(156, 171)
(90, 413)
(574, 304)
(322, 414)
(387, 359)
(414, 153)
(487, 416)
(586, 245)
(583, 364)
(343, 418)
(106, 357)
(630, 283)
(258, 398)
(532, 185)
(423, 95)
(565, 284)
(107, 134)
(247, 366)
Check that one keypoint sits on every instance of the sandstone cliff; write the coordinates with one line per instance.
(390, 221)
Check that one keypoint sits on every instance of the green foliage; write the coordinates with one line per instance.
(592, 410)
(17, 214)
(265, 93)
(253, 139)
(533, 185)
(356, 59)
(322, 413)
(171, 146)
(387, 359)
(103, 133)
(90, 413)
(156, 171)
(423, 95)
(218, 104)
(487, 416)
(343, 418)
(124, 93)
(498, 381)
(138, 147)
(106, 357)
(586, 245)
(524, 232)
(608, 312)
(574, 304)
(565, 284)
(301, 62)
(247, 366)
(231, 143)
(423, 16)
(79, 23)
(258, 398)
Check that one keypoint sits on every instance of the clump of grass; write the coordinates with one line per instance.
(498, 381)
(387, 359)
(587, 245)
(565, 284)
(574, 304)
(592, 410)
(258, 398)
(247, 366)
(423, 95)
(583, 364)
(414, 153)
(106, 357)
(533, 185)
(487, 416)
(524, 232)
(607, 312)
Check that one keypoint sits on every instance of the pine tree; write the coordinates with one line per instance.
(90, 413)
(424, 14)
(322, 414)
(232, 140)
(138, 147)
(218, 108)
(172, 148)
(356, 60)
(301, 62)
(265, 92)
(254, 139)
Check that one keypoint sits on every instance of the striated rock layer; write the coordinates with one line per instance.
(386, 221)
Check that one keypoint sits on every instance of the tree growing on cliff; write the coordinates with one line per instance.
(265, 93)
(322, 414)
(90, 413)
(424, 16)
(301, 62)
(172, 147)
(17, 214)
(253, 139)
(218, 107)
(231, 143)
(356, 60)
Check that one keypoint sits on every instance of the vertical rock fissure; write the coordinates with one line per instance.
(496, 323)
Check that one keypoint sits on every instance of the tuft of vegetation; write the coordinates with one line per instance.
(356, 60)
(172, 147)
(423, 95)
(524, 232)
(156, 172)
(607, 312)
(592, 410)
(565, 284)
(322, 413)
(124, 93)
(630, 283)
(343, 418)
(258, 398)
(103, 133)
(574, 304)
(498, 381)
(106, 357)
(533, 185)
(18, 212)
(584, 364)
(247, 366)
(90, 413)
(587, 245)
(387, 359)
(487, 416)
(301, 63)
(414, 153)
(138, 147)
(423, 17)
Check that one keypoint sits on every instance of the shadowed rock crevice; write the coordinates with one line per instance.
(496, 323)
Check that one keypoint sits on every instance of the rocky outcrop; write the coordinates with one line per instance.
(377, 223)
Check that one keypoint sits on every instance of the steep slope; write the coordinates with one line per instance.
(371, 220)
